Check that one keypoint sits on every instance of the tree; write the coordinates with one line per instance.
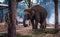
(12, 18)
(29, 3)
(56, 13)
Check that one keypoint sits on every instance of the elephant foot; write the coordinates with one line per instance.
(42, 27)
(34, 29)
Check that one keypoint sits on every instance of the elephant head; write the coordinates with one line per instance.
(28, 14)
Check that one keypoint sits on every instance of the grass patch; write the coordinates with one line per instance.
(51, 31)
(17, 35)
(35, 32)
(3, 35)
(26, 36)
(38, 32)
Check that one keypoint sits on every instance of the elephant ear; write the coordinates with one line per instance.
(33, 11)
(27, 11)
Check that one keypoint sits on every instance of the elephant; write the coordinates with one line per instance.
(35, 14)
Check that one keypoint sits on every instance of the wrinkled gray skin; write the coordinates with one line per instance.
(37, 13)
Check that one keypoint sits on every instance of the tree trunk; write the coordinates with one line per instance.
(56, 13)
(12, 17)
(29, 3)
(19, 0)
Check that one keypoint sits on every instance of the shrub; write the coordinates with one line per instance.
(38, 31)
(17, 35)
(51, 31)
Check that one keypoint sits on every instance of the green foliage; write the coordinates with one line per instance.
(26, 36)
(17, 35)
(51, 31)
(3, 34)
(38, 32)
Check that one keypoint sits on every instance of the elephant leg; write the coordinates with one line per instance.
(32, 22)
(25, 25)
(29, 22)
(44, 23)
(41, 26)
(36, 24)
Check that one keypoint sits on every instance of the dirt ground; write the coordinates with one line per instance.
(24, 30)
(27, 31)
